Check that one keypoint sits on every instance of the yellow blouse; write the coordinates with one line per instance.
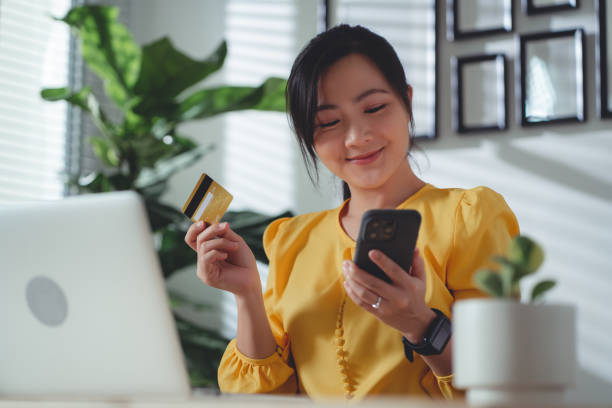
(460, 231)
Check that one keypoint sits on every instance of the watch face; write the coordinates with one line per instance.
(440, 338)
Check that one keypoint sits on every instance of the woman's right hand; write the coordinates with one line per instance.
(225, 261)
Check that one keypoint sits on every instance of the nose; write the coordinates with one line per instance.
(358, 134)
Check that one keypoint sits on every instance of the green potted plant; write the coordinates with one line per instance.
(150, 87)
(508, 352)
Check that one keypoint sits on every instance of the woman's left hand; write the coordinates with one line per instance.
(402, 304)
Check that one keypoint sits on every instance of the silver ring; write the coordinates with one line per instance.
(377, 304)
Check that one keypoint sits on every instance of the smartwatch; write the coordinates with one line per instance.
(436, 338)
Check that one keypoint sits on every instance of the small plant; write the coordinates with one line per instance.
(524, 258)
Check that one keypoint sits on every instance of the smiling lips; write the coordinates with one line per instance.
(366, 158)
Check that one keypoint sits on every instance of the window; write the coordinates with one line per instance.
(410, 27)
(261, 158)
(262, 42)
(34, 53)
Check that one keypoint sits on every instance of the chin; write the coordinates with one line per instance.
(369, 183)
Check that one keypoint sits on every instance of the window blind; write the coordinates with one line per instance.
(34, 54)
(259, 153)
(410, 26)
(261, 40)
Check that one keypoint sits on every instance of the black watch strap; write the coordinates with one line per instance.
(436, 338)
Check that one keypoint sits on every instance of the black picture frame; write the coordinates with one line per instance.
(530, 8)
(602, 53)
(436, 7)
(548, 82)
(457, 32)
(467, 84)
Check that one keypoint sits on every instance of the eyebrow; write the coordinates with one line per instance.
(358, 98)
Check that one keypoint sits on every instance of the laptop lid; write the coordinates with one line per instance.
(83, 304)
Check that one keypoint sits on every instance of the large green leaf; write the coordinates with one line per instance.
(203, 350)
(99, 182)
(149, 151)
(108, 48)
(179, 300)
(174, 253)
(165, 169)
(166, 72)
(85, 100)
(268, 96)
(105, 151)
(162, 215)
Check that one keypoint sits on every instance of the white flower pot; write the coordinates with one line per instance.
(505, 352)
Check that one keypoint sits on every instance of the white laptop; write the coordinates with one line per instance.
(83, 306)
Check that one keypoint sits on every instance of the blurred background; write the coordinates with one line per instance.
(556, 177)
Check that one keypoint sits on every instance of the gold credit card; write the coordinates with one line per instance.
(208, 201)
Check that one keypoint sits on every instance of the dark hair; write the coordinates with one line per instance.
(322, 52)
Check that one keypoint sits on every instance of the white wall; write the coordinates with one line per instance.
(555, 178)
(557, 181)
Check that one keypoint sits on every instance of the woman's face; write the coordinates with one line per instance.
(361, 125)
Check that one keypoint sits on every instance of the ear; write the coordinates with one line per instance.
(409, 92)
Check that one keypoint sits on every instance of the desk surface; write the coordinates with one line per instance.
(232, 401)
(228, 402)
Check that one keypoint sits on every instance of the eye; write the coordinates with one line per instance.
(376, 108)
(328, 124)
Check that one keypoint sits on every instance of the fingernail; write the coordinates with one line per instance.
(222, 225)
(346, 265)
(200, 224)
(374, 254)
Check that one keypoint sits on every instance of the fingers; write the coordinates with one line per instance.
(209, 270)
(229, 233)
(361, 295)
(213, 256)
(364, 289)
(418, 266)
(192, 234)
(219, 244)
(393, 270)
(211, 232)
(202, 232)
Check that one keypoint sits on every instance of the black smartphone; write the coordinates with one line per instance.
(393, 232)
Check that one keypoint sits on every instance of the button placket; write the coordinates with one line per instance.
(347, 381)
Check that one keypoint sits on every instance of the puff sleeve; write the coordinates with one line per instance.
(240, 374)
(483, 227)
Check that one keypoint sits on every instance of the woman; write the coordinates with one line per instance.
(323, 326)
